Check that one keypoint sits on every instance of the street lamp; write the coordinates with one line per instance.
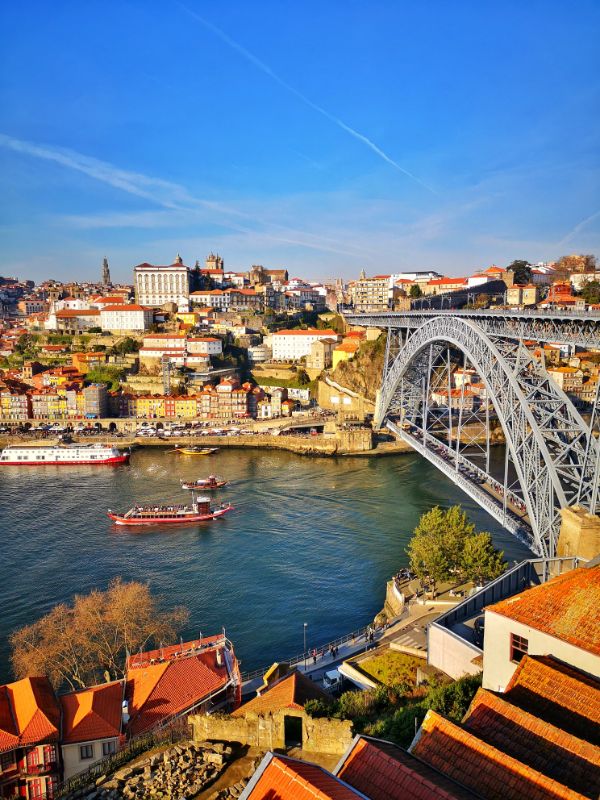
(305, 626)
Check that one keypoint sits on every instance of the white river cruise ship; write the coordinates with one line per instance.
(61, 454)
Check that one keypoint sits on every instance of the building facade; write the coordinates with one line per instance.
(157, 285)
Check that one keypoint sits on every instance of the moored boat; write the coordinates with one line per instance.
(199, 510)
(196, 451)
(23, 455)
(205, 484)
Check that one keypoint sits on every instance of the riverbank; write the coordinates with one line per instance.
(318, 445)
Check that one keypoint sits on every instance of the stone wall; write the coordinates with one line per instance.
(267, 732)
(579, 534)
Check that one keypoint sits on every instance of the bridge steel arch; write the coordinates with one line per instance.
(553, 451)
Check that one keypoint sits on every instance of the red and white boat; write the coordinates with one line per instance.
(26, 455)
(200, 510)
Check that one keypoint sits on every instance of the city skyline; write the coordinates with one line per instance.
(320, 140)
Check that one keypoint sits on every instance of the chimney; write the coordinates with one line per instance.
(125, 712)
(219, 657)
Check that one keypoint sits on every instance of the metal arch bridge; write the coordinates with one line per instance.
(552, 458)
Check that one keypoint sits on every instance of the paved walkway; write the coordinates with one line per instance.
(408, 629)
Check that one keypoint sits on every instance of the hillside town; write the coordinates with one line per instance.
(206, 344)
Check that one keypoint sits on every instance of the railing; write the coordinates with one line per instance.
(307, 656)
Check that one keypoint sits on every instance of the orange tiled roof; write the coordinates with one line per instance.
(548, 749)
(567, 607)
(383, 771)
(483, 768)
(29, 713)
(559, 694)
(93, 713)
(283, 778)
(163, 690)
(292, 691)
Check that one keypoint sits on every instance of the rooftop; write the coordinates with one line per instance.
(486, 770)
(556, 753)
(384, 771)
(558, 694)
(292, 691)
(282, 778)
(29, 713)
(93, 713)
(566, 607)
(308, 332)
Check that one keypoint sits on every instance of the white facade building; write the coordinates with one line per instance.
(122, 317)
(291, 345)
(157, 285)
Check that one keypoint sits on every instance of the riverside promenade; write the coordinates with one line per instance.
(408, 629)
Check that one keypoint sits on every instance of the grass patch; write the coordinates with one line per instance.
(392, 668)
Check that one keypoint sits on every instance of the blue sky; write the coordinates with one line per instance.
(324, 137)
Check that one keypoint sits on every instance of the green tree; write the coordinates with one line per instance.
(591, 292)
(435, 550)
(521, 271)
(111, 376)
(302, 377)
(480, 560)
(415, 291)
(125, 346)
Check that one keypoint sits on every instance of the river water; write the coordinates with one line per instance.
(311, 540)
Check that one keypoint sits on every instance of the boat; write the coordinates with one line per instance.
(24, 455)
(204, 484)
(197, 451)
(199, 510)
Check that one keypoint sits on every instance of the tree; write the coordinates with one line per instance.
(521, 272)
(480, 560)
(77, 645)
(415, 291)
(111, 376)
(591, 292)
(566, 265)
(127, 345)
(440, 541)
(302, 377)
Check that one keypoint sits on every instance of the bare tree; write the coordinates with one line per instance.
(77, 645)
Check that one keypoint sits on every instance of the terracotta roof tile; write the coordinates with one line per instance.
(158, 691)
(553, 752)
(29, 713)
(567, 607)
(292, 691)
(558, 694)
(383, 771)
(483, 768)
(93, 713)
(287, 779)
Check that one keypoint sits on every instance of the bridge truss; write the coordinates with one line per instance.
(552, 459)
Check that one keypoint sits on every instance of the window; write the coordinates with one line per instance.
(518, 647)
(108, 748)
(86, 751)
(7, 761)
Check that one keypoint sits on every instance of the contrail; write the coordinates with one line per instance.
(578, 227)
(306, 100)
(168, 195)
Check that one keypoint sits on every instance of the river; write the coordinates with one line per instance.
(311, 540)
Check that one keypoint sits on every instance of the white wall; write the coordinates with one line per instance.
(450, 653)
(498, 669)
(73, 763)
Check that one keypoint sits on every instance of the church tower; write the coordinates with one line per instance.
(105, 273)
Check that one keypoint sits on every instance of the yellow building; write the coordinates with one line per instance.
(150, 406)
(344, 352)
(186, 406)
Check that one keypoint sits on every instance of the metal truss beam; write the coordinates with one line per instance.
(552, 450)
(580, 329)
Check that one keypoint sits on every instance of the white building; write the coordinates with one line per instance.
(291, 345)
(123, 317)
(560, 618)
(157, 285)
